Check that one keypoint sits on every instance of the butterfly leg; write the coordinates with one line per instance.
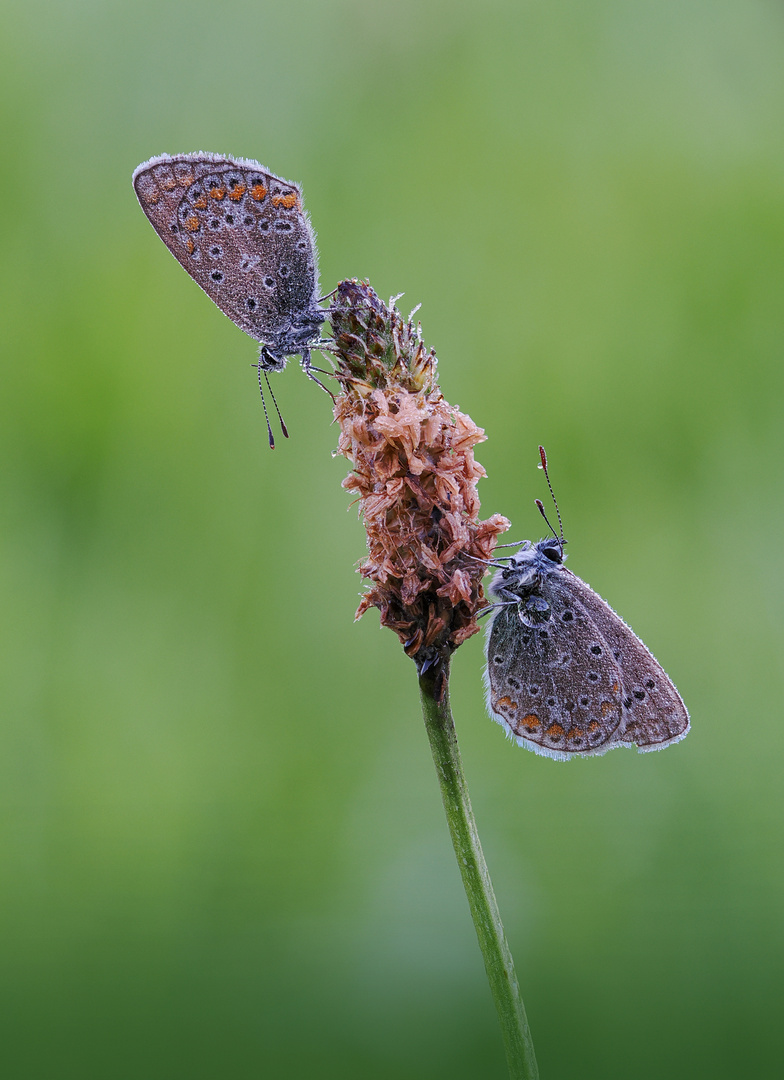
(323, 345)
(307, 367)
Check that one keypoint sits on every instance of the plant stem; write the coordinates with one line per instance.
(434, 692)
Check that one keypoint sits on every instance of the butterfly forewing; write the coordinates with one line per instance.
(653, 712)
(242, 235)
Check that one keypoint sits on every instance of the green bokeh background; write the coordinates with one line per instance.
(223, 851)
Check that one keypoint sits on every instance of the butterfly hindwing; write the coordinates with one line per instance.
(653, 712)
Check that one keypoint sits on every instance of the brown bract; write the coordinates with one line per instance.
(415, 474)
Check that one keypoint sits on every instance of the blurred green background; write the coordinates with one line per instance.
(223, 850)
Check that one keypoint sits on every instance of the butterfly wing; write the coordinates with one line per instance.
(654, 715)
(552, 680)
(566, 676)
(240, 232)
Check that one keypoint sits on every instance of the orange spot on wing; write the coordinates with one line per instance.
(192, 224)
(505, 703)
(169, 184)
(190, 247)
(555, 731)
(201, 202)
(607, 707)
(258, 192)
(615, 687)
(530, 722)
(236, 193)
(218, 193)
(286, 201)
(186, 181)
(593, 726)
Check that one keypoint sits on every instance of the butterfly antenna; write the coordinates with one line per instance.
(540, 508)
(560, 538)
(283, 427)
(264, 404)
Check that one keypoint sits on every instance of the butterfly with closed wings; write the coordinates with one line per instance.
(565, 675)
(243, 235)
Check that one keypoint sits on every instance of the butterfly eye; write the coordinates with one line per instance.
(553, 554)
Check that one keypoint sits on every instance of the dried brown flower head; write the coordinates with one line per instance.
(415, 474)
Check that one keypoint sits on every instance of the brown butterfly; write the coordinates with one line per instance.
(565, 675)
(243, 235)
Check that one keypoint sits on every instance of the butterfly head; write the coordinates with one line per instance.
(528, 567)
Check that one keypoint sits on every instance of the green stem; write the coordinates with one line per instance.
(434, 692)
